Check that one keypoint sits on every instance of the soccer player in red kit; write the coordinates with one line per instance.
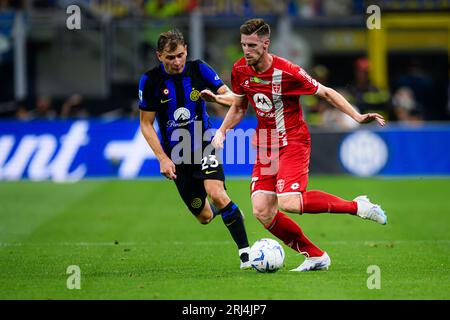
(273, 86)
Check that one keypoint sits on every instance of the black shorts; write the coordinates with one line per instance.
(190, 183)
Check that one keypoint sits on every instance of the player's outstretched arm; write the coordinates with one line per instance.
(234, 115)
(167, 167)
(224, 96)
(337, 100)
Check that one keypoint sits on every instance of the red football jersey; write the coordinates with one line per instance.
(275, 95)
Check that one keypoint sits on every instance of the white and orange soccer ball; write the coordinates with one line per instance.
(266, 255)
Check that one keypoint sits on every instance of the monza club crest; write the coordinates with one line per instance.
(280, 185)
(276, 87)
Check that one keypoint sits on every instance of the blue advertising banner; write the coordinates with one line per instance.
(73, 150)
(397, 150)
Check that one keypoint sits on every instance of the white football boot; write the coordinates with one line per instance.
(244, 256)
(314, 263)
(368, 210)
(245, 259)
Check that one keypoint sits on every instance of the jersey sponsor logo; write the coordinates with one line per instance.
(140, 95)
(216, 78)
(164, 101)
(209, 172)
(259, 80)
(262, 102)
(295, 186)
(280, 185)
(246, 82)
(195, 95)
(182, 114)
(174, 124)
(265, 114)
(166, 91)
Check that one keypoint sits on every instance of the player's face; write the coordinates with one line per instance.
(253, 47)
(173, 61)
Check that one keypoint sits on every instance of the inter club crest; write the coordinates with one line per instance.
(195, 94)
(280, 185)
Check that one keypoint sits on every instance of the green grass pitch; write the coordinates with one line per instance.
(136, 240)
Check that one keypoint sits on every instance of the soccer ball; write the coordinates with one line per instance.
(266, 255)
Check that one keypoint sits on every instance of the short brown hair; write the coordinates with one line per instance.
(172, 38)
(258, 26)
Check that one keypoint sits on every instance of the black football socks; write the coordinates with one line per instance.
(232, 217)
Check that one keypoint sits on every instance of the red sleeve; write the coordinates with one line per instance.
(235, 83)
(302, 82)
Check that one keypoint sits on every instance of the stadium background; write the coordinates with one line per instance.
(68, 112)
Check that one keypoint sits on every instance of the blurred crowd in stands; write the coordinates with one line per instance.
(407, 102)
(75, 106)
(411, 92)
(172, 8)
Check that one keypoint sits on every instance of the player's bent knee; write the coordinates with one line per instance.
(215, 195)
(264, 207)
(264, 216)
(218, 197)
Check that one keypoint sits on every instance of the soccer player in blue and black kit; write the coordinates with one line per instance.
(171, 93)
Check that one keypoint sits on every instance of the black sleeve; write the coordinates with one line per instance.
(147, 98)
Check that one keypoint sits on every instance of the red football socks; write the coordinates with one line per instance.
(316, 201)
(287, 230)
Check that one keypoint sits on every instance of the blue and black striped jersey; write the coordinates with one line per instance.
(176, 99)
